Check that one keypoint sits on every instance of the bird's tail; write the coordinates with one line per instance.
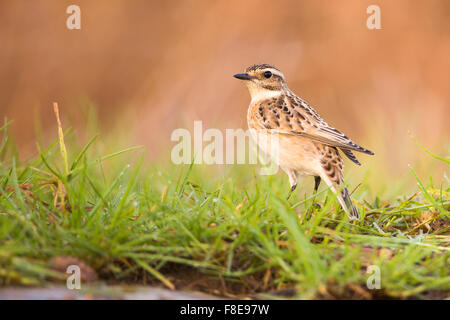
(347, 204)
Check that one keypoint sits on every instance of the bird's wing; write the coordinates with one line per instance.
(292, 116)
(351, 156)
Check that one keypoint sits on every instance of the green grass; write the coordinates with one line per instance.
(133, 222)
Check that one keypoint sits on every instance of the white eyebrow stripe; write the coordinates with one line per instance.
(276, 72)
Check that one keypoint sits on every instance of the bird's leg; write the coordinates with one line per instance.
(317, 180)
(290, 191)
(292, 180)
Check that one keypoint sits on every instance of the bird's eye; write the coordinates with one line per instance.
(267, 74)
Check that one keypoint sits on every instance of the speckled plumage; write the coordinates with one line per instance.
(307, 145)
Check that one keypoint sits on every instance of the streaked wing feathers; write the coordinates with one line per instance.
(293, 116)
(351, 156)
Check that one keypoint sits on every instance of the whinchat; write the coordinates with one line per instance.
(306, 144)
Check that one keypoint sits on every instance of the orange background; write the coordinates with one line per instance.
(153, 66)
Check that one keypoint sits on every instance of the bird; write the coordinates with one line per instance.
(306, 144)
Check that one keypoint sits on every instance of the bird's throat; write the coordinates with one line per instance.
(258, 93)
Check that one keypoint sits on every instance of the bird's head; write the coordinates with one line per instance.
(263, 81)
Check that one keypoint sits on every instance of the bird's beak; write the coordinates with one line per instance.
(243, 76)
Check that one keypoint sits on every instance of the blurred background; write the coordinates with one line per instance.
(149, 67)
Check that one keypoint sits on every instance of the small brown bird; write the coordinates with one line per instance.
(306, 144)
